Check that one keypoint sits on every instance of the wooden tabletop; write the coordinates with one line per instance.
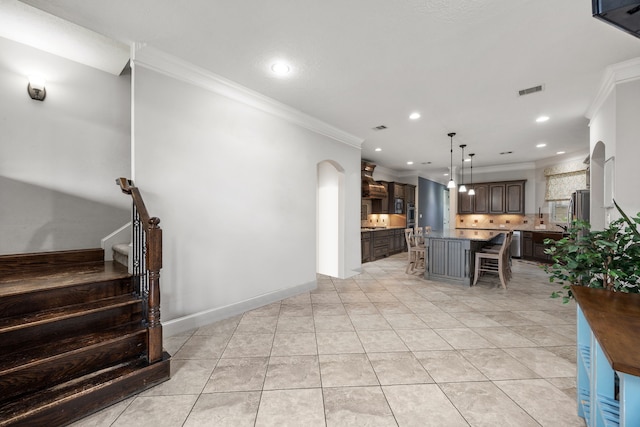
(614, 318)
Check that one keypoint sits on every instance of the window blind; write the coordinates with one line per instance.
(564, 179)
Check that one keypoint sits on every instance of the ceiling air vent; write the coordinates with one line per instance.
(530, 90)
(381, 127)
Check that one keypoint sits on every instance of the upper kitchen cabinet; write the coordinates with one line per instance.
(481, 199)
(409, 194)
(496, 198)
(514, 197)
(505, 197)
(394, 202)
(381, 206)
(478, 203)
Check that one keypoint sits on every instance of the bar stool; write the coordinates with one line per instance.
(416, 253)
(495, 262)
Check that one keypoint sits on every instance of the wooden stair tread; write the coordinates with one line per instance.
(57, 277)
(25, 357)
(57, 405)
(59, 313)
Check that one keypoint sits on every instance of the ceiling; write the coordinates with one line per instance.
(358, 64)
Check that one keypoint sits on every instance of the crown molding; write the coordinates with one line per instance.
(614, 74)
(171, 66)
(33, 27)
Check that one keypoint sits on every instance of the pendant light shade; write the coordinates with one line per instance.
(452, 183)
(472, 192)
(463, 188)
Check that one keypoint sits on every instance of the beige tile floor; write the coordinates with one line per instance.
(380, 349)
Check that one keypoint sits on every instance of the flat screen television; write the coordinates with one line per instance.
(623, 14)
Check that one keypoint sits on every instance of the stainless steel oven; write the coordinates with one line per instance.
(411, 215)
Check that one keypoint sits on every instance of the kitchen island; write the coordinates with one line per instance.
(452, 253)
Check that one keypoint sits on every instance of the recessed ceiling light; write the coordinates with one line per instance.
(414, 116)
(409, 163)
(467, 160)
(541, 145)
(542, 119)
(280, 68)
(445, 174)
(378, 149)
(560, 152)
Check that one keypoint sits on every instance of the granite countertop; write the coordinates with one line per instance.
(465, 234)
(380, 228)
(501, 230)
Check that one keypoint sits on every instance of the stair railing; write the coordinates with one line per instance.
(146, 252)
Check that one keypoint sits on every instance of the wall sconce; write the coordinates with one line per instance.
(36, 88)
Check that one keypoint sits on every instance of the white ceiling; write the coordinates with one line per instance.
(357, 64)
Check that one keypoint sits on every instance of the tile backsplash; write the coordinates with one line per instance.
(384, 220)
(531, 221)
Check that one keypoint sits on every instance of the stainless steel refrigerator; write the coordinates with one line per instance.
(579, 206)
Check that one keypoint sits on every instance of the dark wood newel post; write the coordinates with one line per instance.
(147, 240)
(154, 264)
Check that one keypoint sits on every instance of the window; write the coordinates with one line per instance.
(559, 211)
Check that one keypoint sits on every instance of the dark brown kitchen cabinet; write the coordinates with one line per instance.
(477, 203)
(533, 246)
(527, 244)
(398, 190)
(395, 190)
(381, 243)
(365, 241)
(514, 197)
(481, 199)
(493, 198)
(496, 198)
(409, 194)
(465, 203)
(381, 206)
(398, 242)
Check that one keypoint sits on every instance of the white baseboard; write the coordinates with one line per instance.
(204, 318)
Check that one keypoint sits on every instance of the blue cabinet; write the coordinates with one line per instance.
(608, 382)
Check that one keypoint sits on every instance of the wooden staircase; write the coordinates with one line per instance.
(73, 338)
(78, 334)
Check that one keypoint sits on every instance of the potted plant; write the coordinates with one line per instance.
(608, 258)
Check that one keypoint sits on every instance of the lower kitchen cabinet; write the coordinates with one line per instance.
(365, 241)
(527, 245)
(533, 246)
(381, 243)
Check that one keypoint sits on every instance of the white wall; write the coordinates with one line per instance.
(614, 121)
(59, 158)
(235, 188)
(627, 148)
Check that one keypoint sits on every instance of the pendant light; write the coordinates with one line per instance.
(463, 188)
(472, 192)
(452, 183)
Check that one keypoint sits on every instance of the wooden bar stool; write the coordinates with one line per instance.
(495, 262)
(417, 261)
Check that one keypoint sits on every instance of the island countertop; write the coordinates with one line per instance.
(465, 234)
